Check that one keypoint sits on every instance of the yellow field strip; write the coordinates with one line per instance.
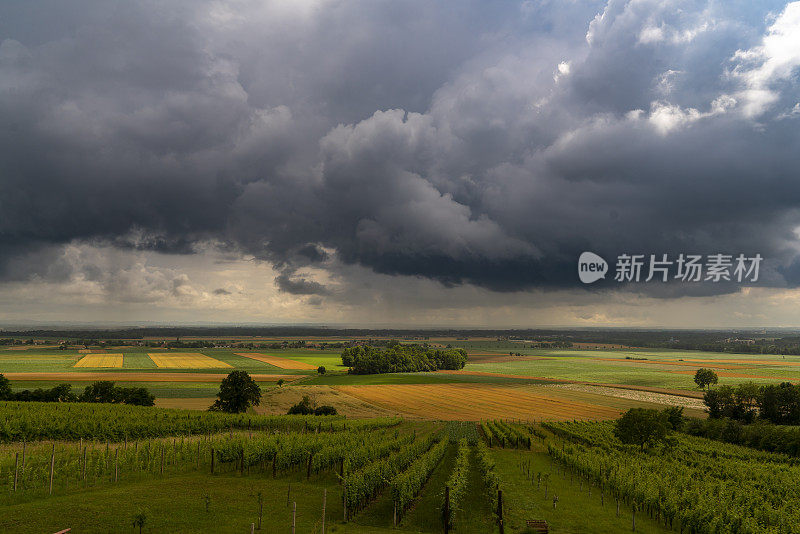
(283, 363)
(185, 360)
(100, 360)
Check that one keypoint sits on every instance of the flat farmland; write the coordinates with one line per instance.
(18, 361)
(473, 402)
(278, 361)
(185, 360)
(277, 401)
(636, 367)
(100, 360)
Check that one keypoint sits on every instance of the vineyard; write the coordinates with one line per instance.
(112, 446)
(385, 473)
(693, 485)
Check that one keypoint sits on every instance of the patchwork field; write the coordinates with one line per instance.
(100, 360)
(185, 360)
(277, 361)
(638, 367)
(484, 388)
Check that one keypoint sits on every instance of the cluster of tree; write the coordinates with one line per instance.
(645, 427)
(101, 391)
(748, 401)
(309, 407)
(759, 435)
(399, 358)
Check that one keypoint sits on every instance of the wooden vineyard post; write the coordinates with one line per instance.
(308, 471)
(344, 500)
(394, 516)
(324, 502)
(198, 455)
(212, 460)
(633, 516)
(16, 470)
(52, 467)
(241, 461)
(260, 508)
(500, 510)
(294, 515)
(446, 509)
(83, 467)
(116, 465)
(162, 459)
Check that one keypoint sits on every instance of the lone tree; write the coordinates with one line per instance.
(642, 427)
(705, 377)
(237, 393)
(321, 369)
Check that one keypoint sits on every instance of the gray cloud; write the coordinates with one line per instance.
(412, 139)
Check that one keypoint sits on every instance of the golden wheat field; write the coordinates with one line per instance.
(185, 360)
(283, 363)
(473, 402)
(100, 360)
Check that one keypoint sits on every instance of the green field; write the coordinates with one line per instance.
(658, 369)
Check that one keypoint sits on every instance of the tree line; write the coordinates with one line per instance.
(748, 402)
(102, 391)
(399, 358)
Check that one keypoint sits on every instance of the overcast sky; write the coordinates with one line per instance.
(395, 162)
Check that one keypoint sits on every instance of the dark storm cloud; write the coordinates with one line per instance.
(299, 286)
(488, 144)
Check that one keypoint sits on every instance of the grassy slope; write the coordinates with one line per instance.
(576, 513)
(177, 504)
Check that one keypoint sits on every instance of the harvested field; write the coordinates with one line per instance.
(277, 401)
(473, 402)
(283, 363)
(92, 351)
(100, 360)
(644, 396)
(185, 360)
